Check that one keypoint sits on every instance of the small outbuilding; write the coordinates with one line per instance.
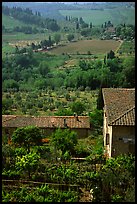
(47, 124)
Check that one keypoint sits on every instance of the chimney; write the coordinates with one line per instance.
(65, 123)
(76, 116)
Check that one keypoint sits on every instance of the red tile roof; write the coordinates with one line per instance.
(46, 121)
(120, 105)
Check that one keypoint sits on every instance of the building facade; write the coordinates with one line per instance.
(119, 121)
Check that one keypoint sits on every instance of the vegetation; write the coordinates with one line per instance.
(27, 137)
(56, 63)
(107, 178)
(64, 141)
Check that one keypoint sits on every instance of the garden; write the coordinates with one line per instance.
(63, 170)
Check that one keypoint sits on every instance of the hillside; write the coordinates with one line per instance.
(117, 12)
(11, 22)
(97, 17)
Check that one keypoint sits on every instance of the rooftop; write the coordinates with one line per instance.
(120, 105)
(46, 121)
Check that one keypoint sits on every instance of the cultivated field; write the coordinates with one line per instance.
(83, 46)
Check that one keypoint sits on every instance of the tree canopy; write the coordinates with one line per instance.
(27, 136)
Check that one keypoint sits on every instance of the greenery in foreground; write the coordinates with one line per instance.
(113, 180)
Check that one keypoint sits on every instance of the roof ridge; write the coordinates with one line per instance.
(12, 117)
(122, 114)
(61, 116)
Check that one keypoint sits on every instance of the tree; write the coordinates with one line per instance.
(81, 21)
(64, 140)
(100, 102)
(86, 32)
(27, 136)
(11, 84)
(111, 55)
(6, 105)
(64, 112)
(84, 65)
(128, 72)
(78, 107)
(43, 68)
(70, 37)
(90, 25)
(57, 38)
(96, 119)
(77, 25)
(33, 46)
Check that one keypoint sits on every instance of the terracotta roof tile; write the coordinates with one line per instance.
(118, 102)
(47, 121)
(127, 118)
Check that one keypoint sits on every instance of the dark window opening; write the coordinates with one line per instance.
(107, 139)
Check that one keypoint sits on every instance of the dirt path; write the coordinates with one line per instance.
(121, 41)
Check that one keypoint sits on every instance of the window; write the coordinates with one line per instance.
(107, 139)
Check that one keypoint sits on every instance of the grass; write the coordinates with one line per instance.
(98, 17)
(10, 22)
(22, 36)
(6, 48)
(127, 46)
(94, 46)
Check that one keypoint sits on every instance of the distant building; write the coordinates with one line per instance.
(48, 124)
(119, 121)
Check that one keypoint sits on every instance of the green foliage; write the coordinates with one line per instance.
(64, 112)
(86, 32)
(27, 136)
(97, 151)
(11, 174)
(28, 162)
(41, 194)
(128, 72)
(96, 118)
(43, 69)
(57, 38)
(100, 102)
(26, 15)
(64, 140)
(6, 105)
(116, 177)
(70, 37)
(78, 107)
(19, 151)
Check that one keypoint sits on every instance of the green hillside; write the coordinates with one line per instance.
(98, 17)
(9, 22)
